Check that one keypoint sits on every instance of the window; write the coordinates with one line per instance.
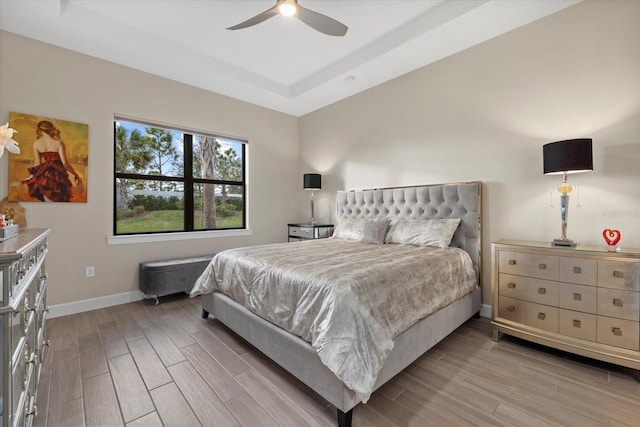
(173, 180)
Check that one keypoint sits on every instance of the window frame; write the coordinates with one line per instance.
(188, 181)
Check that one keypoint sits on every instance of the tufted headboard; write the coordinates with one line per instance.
(459, 200)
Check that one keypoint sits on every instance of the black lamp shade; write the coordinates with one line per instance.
(571, 155)
(312, 181)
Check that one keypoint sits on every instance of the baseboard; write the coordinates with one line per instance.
(68, 308)
(485, 311)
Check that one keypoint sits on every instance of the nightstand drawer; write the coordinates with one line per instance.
(620, 304)
(578, 325)
(579, 270)
(512, 286)
(543, 266)
(512, 309)
(512, 263)
(578, 297)
(619, 333)
(619, 275)
(542, 317)
(542, 292)
(303, 232)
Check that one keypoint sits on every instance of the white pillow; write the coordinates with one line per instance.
(349, 228)
(423, 232)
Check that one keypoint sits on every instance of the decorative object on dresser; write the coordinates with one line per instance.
(564, 157)
(583, 300)
(612, 237)
(312, 182)
(299, 232)
(23, 311)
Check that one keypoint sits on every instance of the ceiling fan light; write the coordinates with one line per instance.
(287, 9)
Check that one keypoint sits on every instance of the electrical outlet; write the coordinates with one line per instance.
(90, 271)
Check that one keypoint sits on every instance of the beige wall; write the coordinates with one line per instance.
(40, 79)
(485, 113)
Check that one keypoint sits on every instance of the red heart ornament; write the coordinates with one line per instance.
(612, 237)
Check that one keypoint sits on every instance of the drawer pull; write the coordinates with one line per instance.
(542, 291)
(512, 262)
(542, 266)
(618, 274)
(541, 316)
(616, 331)
(511, 308)
(511, 285)
(576, 324)
(617, 302)
(577, 270)
(577, 297)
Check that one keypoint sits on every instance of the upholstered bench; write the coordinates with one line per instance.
(158, 278)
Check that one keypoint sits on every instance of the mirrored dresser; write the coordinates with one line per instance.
(23, 310)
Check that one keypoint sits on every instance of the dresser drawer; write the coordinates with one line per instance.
(620, 304)
(512, 309)
(578, 325)
(579, 270)
(512, 286)
(512, 263)
(619, 275)
(618, 332)
(543, 266)
(542, 317)
(542, 292)
(578, 297)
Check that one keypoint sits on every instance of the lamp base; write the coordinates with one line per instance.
(564, 242)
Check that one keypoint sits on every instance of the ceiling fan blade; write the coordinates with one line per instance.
(256, 19)
(321, 22)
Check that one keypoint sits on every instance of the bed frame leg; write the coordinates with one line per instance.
(344, 419)
(205, 313)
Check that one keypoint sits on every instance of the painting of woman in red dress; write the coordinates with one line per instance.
(51, 175)
(49, 179)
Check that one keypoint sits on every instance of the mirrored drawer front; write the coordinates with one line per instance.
(619, 275)
(542, 291)
(512, 262)
(578, 297)
(542, 317)
(543, 266)
(301, 232)
(578, 325)
(512, 286)
(618, 332)
(620, 304)
(512, 309)
(579, 270)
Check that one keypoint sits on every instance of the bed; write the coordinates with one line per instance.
(352, 350)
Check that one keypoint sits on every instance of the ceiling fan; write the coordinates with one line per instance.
(315, 20)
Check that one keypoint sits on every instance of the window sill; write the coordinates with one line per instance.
(167, 237)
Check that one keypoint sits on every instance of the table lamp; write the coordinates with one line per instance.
(312, 182)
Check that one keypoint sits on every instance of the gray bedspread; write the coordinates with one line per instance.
(348, 299)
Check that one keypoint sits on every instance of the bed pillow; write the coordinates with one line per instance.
(423, 232)
(350, 228)
(374, 231)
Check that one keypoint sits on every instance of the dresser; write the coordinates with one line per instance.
(309, 231)
(584, 300)
(23, 310)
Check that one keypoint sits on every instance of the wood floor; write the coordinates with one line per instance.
(144, 365)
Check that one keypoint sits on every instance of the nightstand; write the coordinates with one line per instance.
(583, 300)
(299, 232)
